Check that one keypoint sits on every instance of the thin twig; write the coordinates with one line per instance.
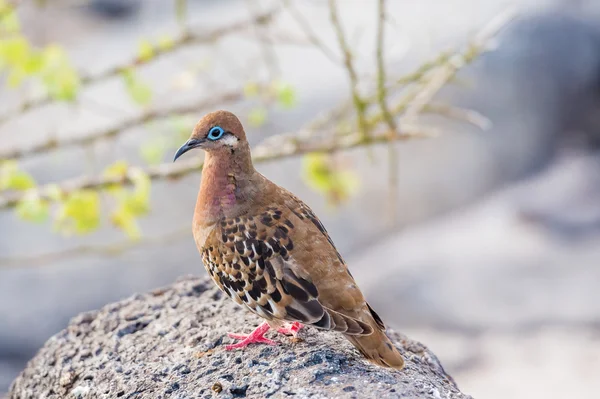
(188, 37)
(145, 117)
(418, 74)
(460, 114)
(102, 250)
(359, 102)
(266, 46)
(381, 75)
(385, 111)
(446, 72)
(310, 34)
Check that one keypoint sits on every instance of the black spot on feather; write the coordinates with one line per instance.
(276, 295)
(267, 307)
(295, 291)
(324, 322)
(295, 314)
(254, 292)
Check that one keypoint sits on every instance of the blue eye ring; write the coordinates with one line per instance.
(215, 133)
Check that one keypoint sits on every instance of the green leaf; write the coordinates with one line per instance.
(21, 181)
(80, 213)
(63, 85)
(138, 203)
(7, 168)
(117, 169)
(10, 21)
(11, 178)
(322, 175)
(257, 116)
(317, 172)
(165, 43)
(59, 76)
(14, 50)
(32, 209)
(140, 179)
(34, 64)
(145, 51)
(131, 203)
(286, 96)
(124, 220)
(138, 91)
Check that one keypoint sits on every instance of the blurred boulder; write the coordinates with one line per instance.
(114, 9)
(540, 87)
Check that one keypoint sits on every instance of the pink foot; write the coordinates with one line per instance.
(255, 337)
(290, 329)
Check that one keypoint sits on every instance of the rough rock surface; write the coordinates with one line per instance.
(167, 344)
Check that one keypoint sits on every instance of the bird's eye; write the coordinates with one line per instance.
(215, 133)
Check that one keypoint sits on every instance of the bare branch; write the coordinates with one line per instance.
(359, 102)
(145, 117)
(265, 44)
(310, 34)
(461, 114)
(381, 76)
(385, 112)
(102, 250)
(447, 71)
(187, 37)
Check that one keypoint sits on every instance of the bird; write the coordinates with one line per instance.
(269, 252)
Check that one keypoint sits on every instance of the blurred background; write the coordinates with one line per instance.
(460, 178)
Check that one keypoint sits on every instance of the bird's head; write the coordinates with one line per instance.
(217, 131)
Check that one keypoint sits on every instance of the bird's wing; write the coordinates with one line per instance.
(280, 262)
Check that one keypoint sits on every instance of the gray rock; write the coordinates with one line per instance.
(167, 344)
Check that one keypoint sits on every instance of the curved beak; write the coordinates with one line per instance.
(190, 144)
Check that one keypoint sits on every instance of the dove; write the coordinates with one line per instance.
(269, 252)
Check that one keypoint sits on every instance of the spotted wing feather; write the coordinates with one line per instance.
(251, 258)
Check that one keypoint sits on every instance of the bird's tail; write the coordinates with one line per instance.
(378, 349)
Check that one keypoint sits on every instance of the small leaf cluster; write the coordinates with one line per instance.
(131, 203)
(139, 91)
(323, 174)
(20, 61)
(79, 212)
(280, 93)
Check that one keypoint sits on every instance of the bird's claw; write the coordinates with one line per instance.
(246, 340)
(290, 329)
(255, 337)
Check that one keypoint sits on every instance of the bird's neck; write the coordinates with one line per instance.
(226, 187)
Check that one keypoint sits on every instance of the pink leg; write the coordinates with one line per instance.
(290, 329)
(256, 336)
